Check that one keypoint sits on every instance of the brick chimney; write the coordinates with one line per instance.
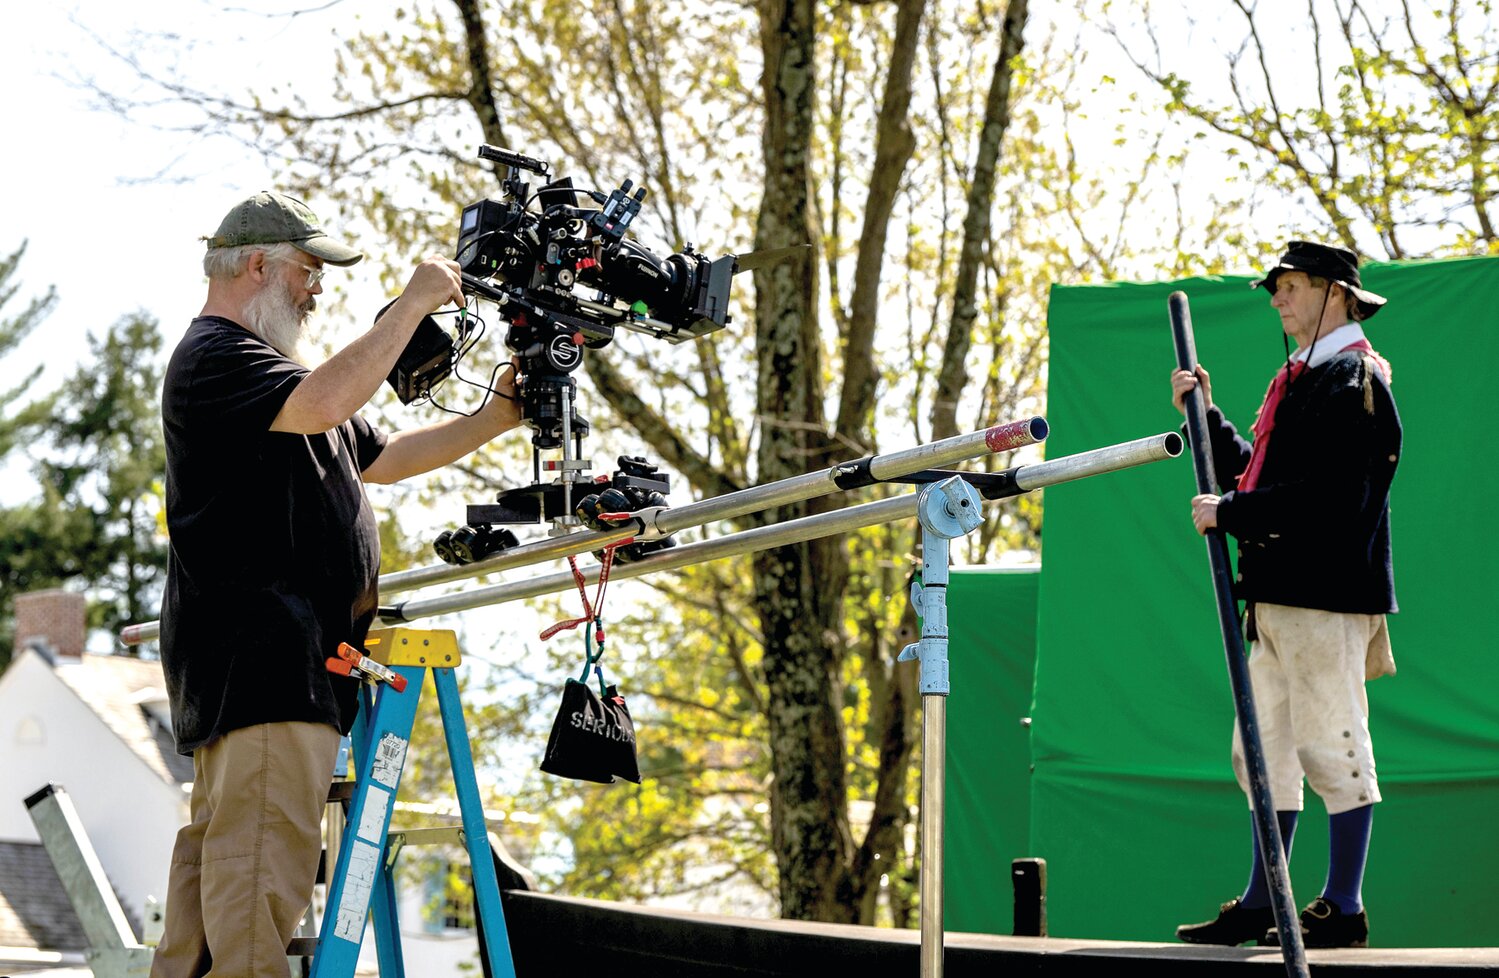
(53, 619)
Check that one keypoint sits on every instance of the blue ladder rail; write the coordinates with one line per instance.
(362, 884)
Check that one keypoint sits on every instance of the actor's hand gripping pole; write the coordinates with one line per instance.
(1266, 828)
(947, 509)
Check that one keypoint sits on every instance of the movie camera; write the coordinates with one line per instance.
(529, 253)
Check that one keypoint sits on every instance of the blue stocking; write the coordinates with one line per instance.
(1257, 893)
(1348, 853)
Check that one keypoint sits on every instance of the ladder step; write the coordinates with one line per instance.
(341, 792)
(450, 835)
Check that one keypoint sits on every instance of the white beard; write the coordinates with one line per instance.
(272, 315)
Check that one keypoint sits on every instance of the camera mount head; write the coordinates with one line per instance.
(528, 253)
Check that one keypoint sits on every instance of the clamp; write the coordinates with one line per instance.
(356, 665)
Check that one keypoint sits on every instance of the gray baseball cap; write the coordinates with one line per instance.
(272, 218)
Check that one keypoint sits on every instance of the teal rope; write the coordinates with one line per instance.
(592, 659)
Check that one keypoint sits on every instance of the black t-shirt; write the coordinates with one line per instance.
(274, 549)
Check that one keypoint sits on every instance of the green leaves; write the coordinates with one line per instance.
(97, 460)
(1401, 150)
(102, 455)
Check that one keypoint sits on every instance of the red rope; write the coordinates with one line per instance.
(591, 611)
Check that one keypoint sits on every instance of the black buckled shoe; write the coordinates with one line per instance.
(1324, 925)
(1234, 925)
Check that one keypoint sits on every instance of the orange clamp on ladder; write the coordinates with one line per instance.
(355, 664)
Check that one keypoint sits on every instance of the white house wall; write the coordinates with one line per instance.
(48, 735)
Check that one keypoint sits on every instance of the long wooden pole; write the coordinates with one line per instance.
(1266, 827)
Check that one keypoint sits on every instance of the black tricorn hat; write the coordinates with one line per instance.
(1334, 264)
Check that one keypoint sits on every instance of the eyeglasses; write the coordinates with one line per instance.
(314, 275)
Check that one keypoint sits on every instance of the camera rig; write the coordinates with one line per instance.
(527, 253)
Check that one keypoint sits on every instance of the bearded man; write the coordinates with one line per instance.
(273, 562)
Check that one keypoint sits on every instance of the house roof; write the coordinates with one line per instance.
(34, 908)
(119, 689)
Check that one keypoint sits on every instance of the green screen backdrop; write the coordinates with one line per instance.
(1130, 797)
(992, 630)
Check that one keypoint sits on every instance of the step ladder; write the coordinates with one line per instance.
(362, 884)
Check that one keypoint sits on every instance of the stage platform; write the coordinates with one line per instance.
(554, 935)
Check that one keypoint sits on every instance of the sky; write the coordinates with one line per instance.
(86, 187)
(111, 237)
(108, 236)
(113, 209)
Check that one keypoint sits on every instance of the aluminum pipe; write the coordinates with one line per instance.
(999, 438)
(973, 444)
(1027, 477)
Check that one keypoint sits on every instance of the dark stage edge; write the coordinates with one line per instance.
(551, 935)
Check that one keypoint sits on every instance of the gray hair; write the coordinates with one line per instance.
(226, 263)
(1351, 305)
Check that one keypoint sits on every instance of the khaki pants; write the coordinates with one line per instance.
(243, 869)
(1308, 669)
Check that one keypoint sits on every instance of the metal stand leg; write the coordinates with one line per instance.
(387, 924)
(361, 857)
(933, 812)
(947, 509)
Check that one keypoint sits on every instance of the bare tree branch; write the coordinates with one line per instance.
(952, 376)
(481, 78)
(894, 145)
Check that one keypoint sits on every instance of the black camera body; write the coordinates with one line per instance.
(529, 254)
(531, 261)
(537, 257)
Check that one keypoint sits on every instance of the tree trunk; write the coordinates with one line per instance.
(798, 589)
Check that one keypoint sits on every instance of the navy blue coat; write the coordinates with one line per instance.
(1315, 533)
